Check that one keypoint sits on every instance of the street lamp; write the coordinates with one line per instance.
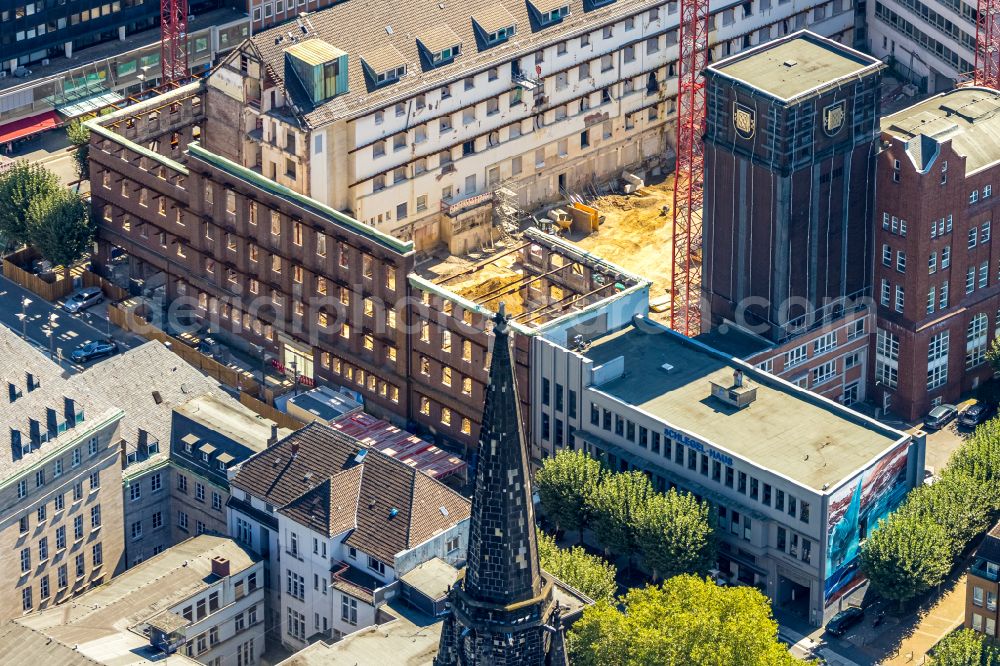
(295, 374)
(50, 333)
(25, 302)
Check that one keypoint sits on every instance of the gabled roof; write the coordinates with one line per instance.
(494, 18)
(438, 37)
(317, 478)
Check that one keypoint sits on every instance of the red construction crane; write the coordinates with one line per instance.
(685, 313)
(988, 44)
(173, 40)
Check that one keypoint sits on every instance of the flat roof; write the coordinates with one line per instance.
(409, 638)
(106, 623)
(230, 419)
(787, 430)
(966, 116)
(796, 65)
(433, 578)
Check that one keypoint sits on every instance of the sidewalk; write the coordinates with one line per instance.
(939, 621)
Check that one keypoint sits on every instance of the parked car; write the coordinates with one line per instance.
(83, 299)
(95, 349)
(940, 416)
(844, 620)
(975, 414)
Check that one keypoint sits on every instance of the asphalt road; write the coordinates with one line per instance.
(71, 331)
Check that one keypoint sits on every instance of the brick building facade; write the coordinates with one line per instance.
(322, 296)
(936, 268)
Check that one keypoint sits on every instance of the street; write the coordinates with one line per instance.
(71, 331)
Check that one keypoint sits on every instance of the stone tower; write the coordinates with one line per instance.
(502, 609)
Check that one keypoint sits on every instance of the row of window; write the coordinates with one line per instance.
(62, 578)
(58, 468)
(60, 539)
(821, 345)
(695, 461)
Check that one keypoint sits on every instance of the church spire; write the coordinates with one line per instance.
(503, 553)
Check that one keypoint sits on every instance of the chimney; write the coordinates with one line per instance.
(143, 443)
(31, 381)
(295, 450)
(12, 391)
(15, 443)
(220, 566)
(272, 440)
(738, 378)
(35, 432)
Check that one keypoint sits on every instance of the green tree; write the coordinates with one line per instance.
(676, 536)
(79, 136)
(965, 648)
(19, 186)
(619, 503)
(59, 225)
(993, 354)
(592, 575)
(959, 504)
(688, 621)
(906, 556)
(566, 484)
(978, 458)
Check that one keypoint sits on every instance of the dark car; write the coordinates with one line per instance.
(940, 416)
(92, 350)
(974, 415)
(844, 620)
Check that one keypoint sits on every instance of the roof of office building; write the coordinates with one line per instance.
(968, 117)
(329, 482)
(797, 65)
(48, 391)
(788, 430)
(231, 419)
(105, 625)
(355, 28)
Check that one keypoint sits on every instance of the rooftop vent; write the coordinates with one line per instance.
(738, 394)
(667, 367)
(444, 511)
(790, 63)
(388, 29)
(393, 512)
(157, 398)
(362, 454)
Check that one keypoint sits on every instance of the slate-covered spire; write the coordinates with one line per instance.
(502, 564)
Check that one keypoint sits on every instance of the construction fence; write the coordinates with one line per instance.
(57, 286)
(129, 320)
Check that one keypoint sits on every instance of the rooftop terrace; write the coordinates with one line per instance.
(790, 431)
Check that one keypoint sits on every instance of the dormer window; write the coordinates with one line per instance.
(390, 76)
(501, 35)
(445, 55)
(549, 12)
(439, 44)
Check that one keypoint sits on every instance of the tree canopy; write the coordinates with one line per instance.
(965, 648)
(592, 575)
(59, 226)
(688, 621)
(676, 535)
(79, 136)
(619, 504)
(20, 185)
(566, 484)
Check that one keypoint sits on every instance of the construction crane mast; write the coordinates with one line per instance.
(988, 44)
(685, 313)
(173, 40)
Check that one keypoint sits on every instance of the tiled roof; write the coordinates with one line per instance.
(315, 477)
(354, 27)
(147, 383)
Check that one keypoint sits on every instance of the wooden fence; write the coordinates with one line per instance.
(112, 291)
(50, 291)
(128, 320)
(267, 411)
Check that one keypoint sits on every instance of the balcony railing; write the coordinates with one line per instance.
(452, 207)
(979, 569)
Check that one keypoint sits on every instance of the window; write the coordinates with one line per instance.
(975, 345)
(136, 530)
(295, 585)
(182, 483)
(78, 527)
(199, 492)
(937, 360)
(25, 560)
(182, 520)
(886, 255)
(376, 565)
(60, 538)
(984, 276)
(155, 482)
(901, 261)
(973, 196)
(26, 599)
(95, 516)
(825, 343)
(795, 356)
(134, 491)
(348, 609)
(900, 298)
(945, 256)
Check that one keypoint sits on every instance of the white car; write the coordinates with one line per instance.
(83, 299)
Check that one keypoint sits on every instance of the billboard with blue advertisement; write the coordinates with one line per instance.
(855, 509)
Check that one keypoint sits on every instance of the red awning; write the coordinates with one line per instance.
(28, 126)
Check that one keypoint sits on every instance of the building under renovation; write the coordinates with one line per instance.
(324, 296)
(790, 149)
